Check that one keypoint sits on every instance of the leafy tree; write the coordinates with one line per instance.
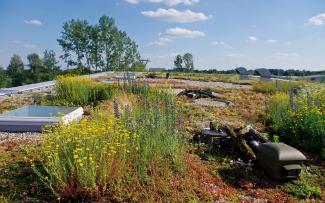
(74, 41)
(4, 80)
(188, 61)
(95, 48)
(36, 67)
(15, 70)
(117, 51)
(131, 54)
(51, 67)
(107, 27)
(101, 46)
(178, 62)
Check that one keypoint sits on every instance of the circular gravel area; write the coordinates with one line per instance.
(210, 102)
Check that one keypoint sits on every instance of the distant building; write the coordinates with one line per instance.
(243, 73)
(264, 73)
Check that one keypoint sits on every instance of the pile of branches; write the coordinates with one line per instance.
(244, 140)
(197, 94)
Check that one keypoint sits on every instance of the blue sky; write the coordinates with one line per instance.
(221, 34)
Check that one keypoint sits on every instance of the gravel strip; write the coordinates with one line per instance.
(213, 84)
(210, 102)
(199, 84)
(27, 136)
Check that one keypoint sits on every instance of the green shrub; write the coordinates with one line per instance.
(299, 122)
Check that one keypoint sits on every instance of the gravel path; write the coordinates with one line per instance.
(213, 84)
(28, 136)
(200, 84)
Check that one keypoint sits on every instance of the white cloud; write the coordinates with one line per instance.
(317, 20)
(160, 60)
(252, 39)
(173, 15)
(171, 34)
(162, 41)
(167, 2)
(183, 33)
(33, 22)
(222, 44)
(271, 41)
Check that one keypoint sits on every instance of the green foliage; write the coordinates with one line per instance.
(305, 187)
(274, 86)
(154, 120)
(4, 79)
(104, 153)
(100, 47)
(299, 122)
(138, 66)
(178, 62)
(188, 61)
(51, 67)
(15, 70)
(81, 91)
(39, 70)
(79, 160)
(36, 68)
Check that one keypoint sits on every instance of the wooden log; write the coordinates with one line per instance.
(240, 143)
(257, 135)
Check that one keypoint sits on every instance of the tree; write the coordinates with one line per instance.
(4, 80)
(178, 62)
(95, 48)
(51, 67)
(15, 70)
(74, 42)
(101, 46)
(36, 67)
(131, 54)
(107, 27)
(188, 61)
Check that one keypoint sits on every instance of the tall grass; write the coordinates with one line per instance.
(78, 90)
(155, 121)
(272, 86)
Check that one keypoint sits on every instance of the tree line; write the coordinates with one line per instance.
(275, 72)
(185, 63)
(39, 69)
(86, 49)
